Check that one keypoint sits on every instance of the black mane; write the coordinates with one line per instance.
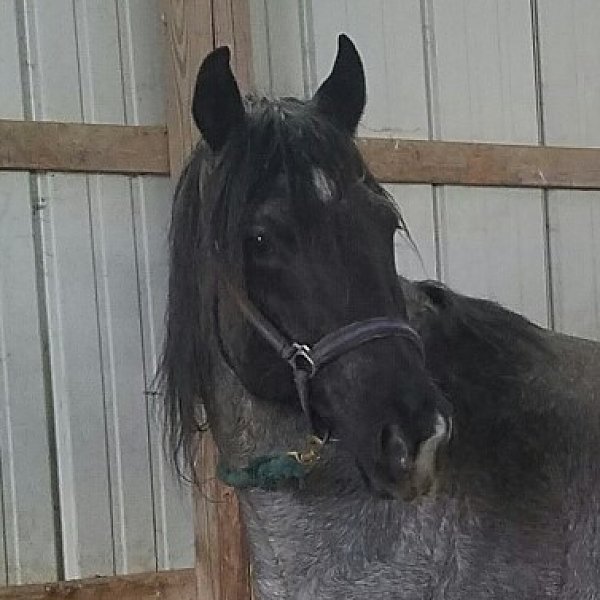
(484, 357)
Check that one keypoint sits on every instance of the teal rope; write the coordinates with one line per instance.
(266, 472)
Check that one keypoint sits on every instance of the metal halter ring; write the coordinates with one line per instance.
(302, 360)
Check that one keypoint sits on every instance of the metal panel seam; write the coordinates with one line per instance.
(539, 93)
(27, 54)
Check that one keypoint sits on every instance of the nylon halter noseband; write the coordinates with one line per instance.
(305, 360)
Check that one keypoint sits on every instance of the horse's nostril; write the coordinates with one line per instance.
(394, 450)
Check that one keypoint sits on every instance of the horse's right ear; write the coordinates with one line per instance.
(217, 106)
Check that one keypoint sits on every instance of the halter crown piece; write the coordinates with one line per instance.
(268, 472)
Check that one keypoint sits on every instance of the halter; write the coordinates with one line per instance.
(305, 360)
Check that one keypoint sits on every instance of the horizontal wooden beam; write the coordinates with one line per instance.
(165, 585)
(75, 147)
(471, 164)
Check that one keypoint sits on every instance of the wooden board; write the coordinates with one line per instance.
(170, 585)
(221, 562)
(50, 146)
(471, 164)
(570, 47)
(130, 149)
(189, 33)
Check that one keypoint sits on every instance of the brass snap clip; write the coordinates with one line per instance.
(311, 454)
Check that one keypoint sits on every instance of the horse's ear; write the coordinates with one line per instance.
(217, 106)
(342, 95)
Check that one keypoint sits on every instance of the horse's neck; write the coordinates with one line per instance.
(354, 546)
(327, 546)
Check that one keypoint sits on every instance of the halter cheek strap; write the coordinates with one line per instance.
(305, 360)
(267, 472)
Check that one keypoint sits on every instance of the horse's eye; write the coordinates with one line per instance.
(258, 244)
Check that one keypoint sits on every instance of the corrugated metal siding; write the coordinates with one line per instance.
(28, 523)
(570, 48)
(82, 288)
(491, 70)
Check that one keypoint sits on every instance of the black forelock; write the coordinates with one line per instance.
(285, 137)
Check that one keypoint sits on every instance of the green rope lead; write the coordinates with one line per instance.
(267, 472)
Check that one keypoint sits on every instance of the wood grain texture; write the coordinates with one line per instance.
(190, 36)
(166, 585)
(468, 164)
(76, 147)
(221, 560)
(232, 28)
(193, 29)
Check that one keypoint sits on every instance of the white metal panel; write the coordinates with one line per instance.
(485, 70)
(123, 375)
(3, 541)
(115, 272)
(27, 551)
(492, 245)
(279, 47)
(142, 43)
(78, 385)
(570, 49)
(260, 47)
(77, 381)
(389, 37)
(24, 451)
(151, 208)
(120, 508)
(173, 506)
(575, 252)
(491, 241)
(289, 76)
(414, 202)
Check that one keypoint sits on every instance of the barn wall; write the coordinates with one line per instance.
(515, 71)
(84, 486)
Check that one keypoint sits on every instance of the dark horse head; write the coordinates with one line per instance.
(277, 215)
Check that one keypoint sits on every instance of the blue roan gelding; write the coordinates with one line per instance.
(389, 438)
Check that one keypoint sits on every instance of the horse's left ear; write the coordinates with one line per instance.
(342, 95)
(217, 106)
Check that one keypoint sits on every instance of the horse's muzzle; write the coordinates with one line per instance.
(398, 473)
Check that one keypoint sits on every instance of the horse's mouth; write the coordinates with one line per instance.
(420, 474)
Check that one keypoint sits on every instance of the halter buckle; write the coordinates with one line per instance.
(301, 359)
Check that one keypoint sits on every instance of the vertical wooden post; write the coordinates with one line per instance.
(194, 28)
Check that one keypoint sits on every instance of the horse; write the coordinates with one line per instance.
(389, 438)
